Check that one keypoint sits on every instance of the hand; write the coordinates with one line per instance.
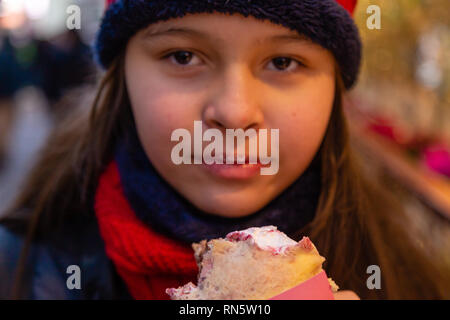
(345, 295)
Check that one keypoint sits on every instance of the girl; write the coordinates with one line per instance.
(106, 201)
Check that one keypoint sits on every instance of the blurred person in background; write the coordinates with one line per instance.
(69, 64)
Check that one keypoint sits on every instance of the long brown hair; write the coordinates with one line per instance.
(356, 224)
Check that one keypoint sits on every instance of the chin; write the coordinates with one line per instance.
(231, 208)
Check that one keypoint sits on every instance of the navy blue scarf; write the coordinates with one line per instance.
(160, 206)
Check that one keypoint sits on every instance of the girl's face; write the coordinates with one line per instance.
(230, 72)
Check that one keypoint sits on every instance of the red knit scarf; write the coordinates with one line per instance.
(147, 261)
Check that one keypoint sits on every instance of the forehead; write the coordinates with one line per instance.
(222, 28)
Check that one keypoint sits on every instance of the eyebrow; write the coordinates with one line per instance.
(188, 32)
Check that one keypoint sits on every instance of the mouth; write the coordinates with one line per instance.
(233, 171)
(237, 159)
(238, 168)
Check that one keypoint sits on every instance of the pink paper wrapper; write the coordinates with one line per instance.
(316, 288)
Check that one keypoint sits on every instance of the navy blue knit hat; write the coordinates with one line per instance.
(326, 22)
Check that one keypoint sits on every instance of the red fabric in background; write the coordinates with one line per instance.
(147, 261)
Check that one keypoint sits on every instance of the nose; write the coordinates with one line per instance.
(234, 103)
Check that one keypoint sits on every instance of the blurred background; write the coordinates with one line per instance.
(45, 68)
(399, 113)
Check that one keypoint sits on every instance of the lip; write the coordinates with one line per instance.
(234, 171)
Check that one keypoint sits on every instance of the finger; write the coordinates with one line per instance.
(346, 295)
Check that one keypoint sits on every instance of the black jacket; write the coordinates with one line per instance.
(79, 243)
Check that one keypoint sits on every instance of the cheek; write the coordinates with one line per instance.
(156, 118)
(303, 121)
(158, 110)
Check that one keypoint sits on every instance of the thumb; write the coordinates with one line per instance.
(346, 295)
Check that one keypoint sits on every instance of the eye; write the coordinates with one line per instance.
(284, 64)
(183, 58)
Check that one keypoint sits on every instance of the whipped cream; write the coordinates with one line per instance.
(266, 238)
(187, 289)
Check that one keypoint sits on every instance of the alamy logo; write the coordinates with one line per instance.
(74, 19)
(374, 281)
(74, 280)
(214, 154)
(374, 20)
